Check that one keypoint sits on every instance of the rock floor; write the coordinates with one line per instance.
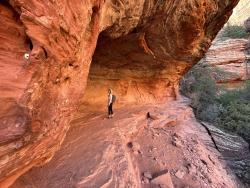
(169, 149)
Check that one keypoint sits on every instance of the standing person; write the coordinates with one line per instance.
(110, 103)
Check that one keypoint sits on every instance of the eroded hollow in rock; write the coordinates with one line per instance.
(14, 44)
(135, 72)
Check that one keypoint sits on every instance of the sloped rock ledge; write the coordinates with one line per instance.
(234, 150)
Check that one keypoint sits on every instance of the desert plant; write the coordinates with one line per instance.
(235, 114)
(234, 32)
(235, 118)
(204, 99)
(229, 110)
(201, 88)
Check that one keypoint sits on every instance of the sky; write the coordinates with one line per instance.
(241, 13)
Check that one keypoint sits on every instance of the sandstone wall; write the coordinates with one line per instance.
(229, 61)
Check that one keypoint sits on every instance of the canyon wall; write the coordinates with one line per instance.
(228, 61)
(144, 48)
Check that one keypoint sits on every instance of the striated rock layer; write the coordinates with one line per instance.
(143, 50)
(234, 149)
(229, 60)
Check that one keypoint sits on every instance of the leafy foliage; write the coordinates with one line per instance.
(201, 88)
(234, 32)
(229, 110)
(235, 114)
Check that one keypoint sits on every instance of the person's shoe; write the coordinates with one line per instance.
(112, 115)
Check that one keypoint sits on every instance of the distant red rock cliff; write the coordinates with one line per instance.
(229, 58)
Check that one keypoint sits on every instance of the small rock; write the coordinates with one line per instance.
(4, 160)
(134, 146)
(176, 135)
(180, 174)
(147, 175)
(194, 178)
(136, 152)
(172, 172)
(211, 159)
(177, 143)
(18, 144)
(176, 140)
(195, 141)
(27, 138)
(164, 181)
(171, 123)
(191, 168)
(17, 125)
(209, 180)
(145, 180)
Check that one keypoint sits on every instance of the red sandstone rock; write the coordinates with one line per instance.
(143, 50)
(97, 152)
(163, 180)
(230, 60)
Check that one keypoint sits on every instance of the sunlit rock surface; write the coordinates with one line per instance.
(143, 50)
(229, 60)
(131, 150)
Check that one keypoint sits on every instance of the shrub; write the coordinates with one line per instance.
(234, 32)
(241, 95)
(201, 88)
(229, 110)
(235, 117)
(188, 85)
(204, 100)
(235, 114)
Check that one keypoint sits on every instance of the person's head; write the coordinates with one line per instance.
(110, 91)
